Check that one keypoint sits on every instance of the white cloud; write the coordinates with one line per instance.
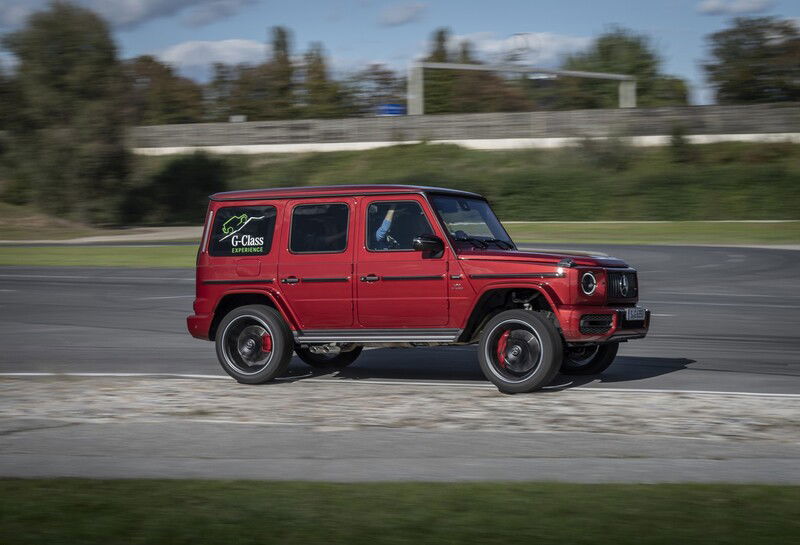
(401, 14)
(194, 54)
(534, 48)
(130, 13)
(733, 7)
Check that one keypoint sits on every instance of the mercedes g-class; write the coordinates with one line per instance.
(325, 271)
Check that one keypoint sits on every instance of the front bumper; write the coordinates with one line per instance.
(581, 324)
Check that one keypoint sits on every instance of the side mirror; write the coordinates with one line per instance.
(429, 244)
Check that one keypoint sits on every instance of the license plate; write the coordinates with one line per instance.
(635, 314)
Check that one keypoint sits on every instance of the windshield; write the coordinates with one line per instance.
(471, 221)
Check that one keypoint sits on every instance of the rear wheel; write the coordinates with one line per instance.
(589, 360)
(338, 361)
(520, 351)
(254, 344)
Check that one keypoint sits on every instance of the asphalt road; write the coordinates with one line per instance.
(207, 450)
(724, 319)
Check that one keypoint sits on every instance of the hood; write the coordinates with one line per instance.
(586, 259)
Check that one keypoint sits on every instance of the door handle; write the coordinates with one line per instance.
(370, 278)
(290, 280)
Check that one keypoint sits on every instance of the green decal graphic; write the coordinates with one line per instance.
(236, 223)
(233, 223)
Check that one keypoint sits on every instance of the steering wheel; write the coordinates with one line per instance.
(460, 234)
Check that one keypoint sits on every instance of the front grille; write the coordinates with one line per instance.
(622, 285)
(595, 324)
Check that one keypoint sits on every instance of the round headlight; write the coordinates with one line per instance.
(588, 283)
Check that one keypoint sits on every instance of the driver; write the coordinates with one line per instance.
(383, 231)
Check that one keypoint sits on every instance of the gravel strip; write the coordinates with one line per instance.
(339, 407)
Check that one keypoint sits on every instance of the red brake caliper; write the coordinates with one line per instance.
(266, 342)
(501, 348)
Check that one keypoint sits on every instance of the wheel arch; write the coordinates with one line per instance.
(240, 298)
(498, 298)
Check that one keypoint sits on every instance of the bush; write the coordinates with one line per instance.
(178, 192)
(681, 150)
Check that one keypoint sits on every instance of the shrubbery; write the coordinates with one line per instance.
(176, 193)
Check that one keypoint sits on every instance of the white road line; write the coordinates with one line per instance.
(94, 277)
(7, 291)
(115, 375)
(695, 303)
(163, 297)
(717, 294)
(399, 382)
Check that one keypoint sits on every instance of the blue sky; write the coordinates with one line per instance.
(192, 33)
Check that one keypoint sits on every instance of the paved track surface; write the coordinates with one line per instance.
(725, 319)
(206, 450)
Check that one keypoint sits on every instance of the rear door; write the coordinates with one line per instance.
(316, 262)
(398, 287)
(240, 244)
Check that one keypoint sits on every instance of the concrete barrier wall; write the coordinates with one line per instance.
(550, 128)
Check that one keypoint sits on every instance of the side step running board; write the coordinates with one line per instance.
(377, 336)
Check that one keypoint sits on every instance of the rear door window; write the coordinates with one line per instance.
(319, 228)
(242, 231)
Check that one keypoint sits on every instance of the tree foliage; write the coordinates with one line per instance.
(618, 51)
(466, 91)
(366, 89)
(68, 144)
(323, 96)
(756, 60)
(157, 96)
(281, 75)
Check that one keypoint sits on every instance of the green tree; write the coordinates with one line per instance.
(158, 96)
(439, 84)
(374, 85)
(70, 153)
(479, 91)
(756, 60)
(323, 96)
(281, 75)
(618, 51)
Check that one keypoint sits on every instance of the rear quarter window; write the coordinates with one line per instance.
(242, 231)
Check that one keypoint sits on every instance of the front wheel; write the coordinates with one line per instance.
(520, 351)
(589, 360)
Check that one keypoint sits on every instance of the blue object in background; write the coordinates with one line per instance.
(390, 109)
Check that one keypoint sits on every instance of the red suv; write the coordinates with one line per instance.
(326, 271)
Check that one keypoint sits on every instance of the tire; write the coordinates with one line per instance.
(322, 361)
(589, 362)
(531, 351)
(242, 348)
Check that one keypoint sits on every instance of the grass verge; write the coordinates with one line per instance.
(99, 256)
(242, 512)
(24, 223)
(682, 232)
(574, 234)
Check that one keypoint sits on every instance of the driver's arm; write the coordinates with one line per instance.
(380, 234)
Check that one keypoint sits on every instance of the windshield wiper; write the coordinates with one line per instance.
(502, 243)
(478, 243)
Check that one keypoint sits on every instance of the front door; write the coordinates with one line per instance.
(316, 266)
(398, 287)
